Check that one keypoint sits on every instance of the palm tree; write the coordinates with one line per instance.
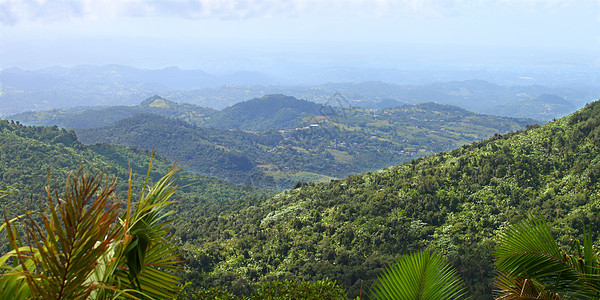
(86, 246)
(420, 275)
(533, 266)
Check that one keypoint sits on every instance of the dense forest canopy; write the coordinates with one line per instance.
(32, 157)
(454, 202)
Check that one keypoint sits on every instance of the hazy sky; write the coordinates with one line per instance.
(250, 34)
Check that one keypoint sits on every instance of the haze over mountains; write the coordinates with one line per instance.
(57, 87)
(321, 141)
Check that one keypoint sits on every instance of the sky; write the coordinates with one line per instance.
(226, 35)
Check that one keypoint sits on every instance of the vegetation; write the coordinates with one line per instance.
(333, 143)
(455, 203)
(30, 156)
(86, 247)
(532, 264)
(420, 275)
(277, 112)
(322, 289)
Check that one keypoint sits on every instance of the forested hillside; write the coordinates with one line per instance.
(328, 143)
(32, 157)
(454, 202)
(268, 112)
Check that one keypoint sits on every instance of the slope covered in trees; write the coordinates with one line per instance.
(334, 144)
(31, 155)
(454, 202)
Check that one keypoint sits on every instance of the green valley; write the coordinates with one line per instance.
(324, 143)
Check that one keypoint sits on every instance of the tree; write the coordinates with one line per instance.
(533, 266)
(420, 275)
(86, 246)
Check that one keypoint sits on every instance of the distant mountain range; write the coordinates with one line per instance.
(57, 87)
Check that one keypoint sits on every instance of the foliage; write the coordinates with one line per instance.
(322, 289)
(214, 294)
(454, 203)
(420, 275)
(79, 249)
(30, 155)
(532, 262)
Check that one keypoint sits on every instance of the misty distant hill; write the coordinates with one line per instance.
(92, 117)
(91, 85)
(267, 112)
(542, 107)
(111, 85)
(474, 95)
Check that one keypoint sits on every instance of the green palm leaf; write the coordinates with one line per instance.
(420, 275)
(521, 289)
(527, 250)
(81, 249)
(146, 259)
(63, 250)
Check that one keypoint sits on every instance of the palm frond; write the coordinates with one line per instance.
(527, 249)
(420, 275)
(63, 251)
(149, 256)
(81, 249)
(519, 288)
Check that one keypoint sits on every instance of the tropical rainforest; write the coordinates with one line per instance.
(454, 202)
(457, 202)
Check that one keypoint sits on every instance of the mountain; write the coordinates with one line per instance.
(542, 107)
(92, 117)
(91, 85)
(454, 202)
(328, 142)
(268, 112)
(474, 95)
(88, 85)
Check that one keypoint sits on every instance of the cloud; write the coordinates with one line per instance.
(15, 11)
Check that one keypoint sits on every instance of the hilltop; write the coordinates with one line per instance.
(58, 87)
(268, 112)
